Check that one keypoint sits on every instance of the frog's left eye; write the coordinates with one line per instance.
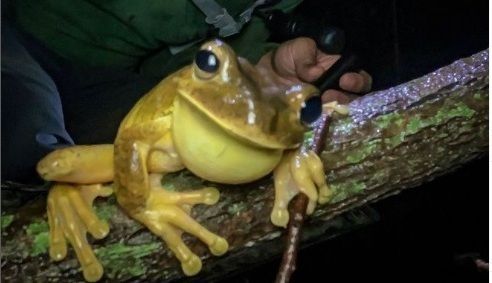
(207, 61)
(311, 109)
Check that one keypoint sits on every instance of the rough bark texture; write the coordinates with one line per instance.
(392, 140)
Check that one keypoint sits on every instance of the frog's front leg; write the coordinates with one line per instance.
(298, 171)
(139, 168)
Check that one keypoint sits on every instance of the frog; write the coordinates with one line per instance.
(220, 118)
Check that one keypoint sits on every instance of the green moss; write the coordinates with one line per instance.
(345, 190)
(394, 141)
(344, 123)
(180, 181)
(385, 121)
(459, 110)
(41, 244)
(361, 153)
(7, 220)
(38, 226)
(308, 138)
(120, 260)
(105, 210)
(415, 124)
(236, 208)
(39, 231)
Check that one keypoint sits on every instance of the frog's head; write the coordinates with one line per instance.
(231, 92)
(229, 113)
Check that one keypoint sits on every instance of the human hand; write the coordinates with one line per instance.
(299, 60)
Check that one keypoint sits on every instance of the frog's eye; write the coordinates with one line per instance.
(207, 62)
(311, 109)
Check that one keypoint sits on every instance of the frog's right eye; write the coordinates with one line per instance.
(207, 63)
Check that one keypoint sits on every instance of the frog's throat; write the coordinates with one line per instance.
(212, 153)
(245, 132)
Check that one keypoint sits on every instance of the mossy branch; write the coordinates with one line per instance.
(392, 140)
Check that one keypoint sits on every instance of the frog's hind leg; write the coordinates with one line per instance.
(70, 217)
(80, 164)
(82, 169)
(165, 213)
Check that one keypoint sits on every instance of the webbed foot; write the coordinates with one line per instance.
(167, 215)
(298, 171)
(70, 217)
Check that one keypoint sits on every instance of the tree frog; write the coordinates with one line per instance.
(221, 118)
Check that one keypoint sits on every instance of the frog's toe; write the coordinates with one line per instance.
(311, 207)
(181, 219)
(98, 228)
(93, 271)
(70, 217)
(58, 251)
(219, 246)
(169, 220)
(210, 196)
(325, 194)
(317, 173)
(279, 217)
(58, 243)
(192, 266)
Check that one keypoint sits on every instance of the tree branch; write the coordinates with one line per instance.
(392, 140)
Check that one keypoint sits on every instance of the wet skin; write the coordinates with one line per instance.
(222, 119)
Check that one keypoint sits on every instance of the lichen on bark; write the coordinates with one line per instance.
(392, 140)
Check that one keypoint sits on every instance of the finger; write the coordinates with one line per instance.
(309, 73)
(304, 54)
(58, 244)
(355, 82)
(338, 96)
(310, 207)
(75, 234)
(327, 61)
(313, 69)
(96, 227)
(367, 80)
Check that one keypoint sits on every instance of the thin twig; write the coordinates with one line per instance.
(297, 211)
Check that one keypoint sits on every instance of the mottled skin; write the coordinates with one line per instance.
(231, 126)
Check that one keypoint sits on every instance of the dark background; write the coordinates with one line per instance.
(423, 234)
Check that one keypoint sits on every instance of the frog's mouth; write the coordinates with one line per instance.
(212, 153)
(264, 127)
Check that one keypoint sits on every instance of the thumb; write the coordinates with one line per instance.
(304, 53)
(309, 72)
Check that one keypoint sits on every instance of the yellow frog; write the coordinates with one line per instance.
(222, 119)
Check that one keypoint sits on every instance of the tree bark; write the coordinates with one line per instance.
(392, 140)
